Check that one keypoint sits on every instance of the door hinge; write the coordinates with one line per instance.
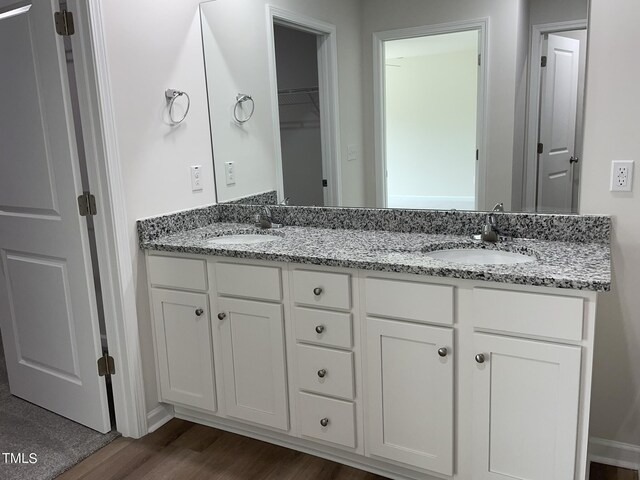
(106, 365)
(477, 154)
(87, 205)
(479, 59)
(324, 182)
(543, 61)
(540, 148)
(64, 23)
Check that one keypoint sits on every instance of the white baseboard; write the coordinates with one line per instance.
(613, 453)
(158, 417)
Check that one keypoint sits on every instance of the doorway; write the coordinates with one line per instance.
(303, 176)
(428, 102)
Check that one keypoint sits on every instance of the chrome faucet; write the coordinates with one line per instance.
(490, 231)
(264, 219)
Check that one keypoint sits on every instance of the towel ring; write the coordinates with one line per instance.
(172, 95)
(240, 99)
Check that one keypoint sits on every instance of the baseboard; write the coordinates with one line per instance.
(158, 417)
(613, 453)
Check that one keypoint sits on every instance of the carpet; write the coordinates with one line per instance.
(25, 428)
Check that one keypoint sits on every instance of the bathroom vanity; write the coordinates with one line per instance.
(357, 346)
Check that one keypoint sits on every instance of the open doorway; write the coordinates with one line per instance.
(428, 105)
(296, 53)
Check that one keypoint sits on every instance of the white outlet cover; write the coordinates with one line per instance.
(621, 181)
(196, 178)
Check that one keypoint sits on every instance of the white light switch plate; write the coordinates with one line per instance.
(621, 175)
(230, 173)
(352, 153)
(196, 178)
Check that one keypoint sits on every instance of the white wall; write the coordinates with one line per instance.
(381, 15)
(150, 49)
(611, 132)
(239, 61)
(431, 125)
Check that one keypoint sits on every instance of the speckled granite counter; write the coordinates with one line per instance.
(560, 264)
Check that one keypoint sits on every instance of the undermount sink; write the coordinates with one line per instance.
(243, 239)
(480, 256)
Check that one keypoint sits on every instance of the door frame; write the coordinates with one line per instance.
(530, 172)
(328, 86)
(111, 224)
(380, 144)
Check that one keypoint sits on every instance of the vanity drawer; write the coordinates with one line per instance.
(529, 313)
(174, 272)
(323, 327)
(249, 281)
(322, 289)
(327, 419)
(325, 371)
(420, 302)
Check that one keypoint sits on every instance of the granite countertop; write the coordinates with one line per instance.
(579, 266)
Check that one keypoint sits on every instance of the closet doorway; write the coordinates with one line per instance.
(304, 82)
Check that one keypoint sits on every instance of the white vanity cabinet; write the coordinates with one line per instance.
(407, 376)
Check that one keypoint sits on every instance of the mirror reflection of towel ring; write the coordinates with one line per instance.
(240, 99)
(172, 95)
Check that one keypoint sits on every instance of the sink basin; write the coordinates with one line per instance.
(480, 256)
(242, 239)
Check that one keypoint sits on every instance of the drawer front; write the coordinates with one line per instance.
(321, 289)
(249, 281)
(173, 272)
(323, 327)
(420, 302)
(325, 371)
(536, 314)
(327, 419)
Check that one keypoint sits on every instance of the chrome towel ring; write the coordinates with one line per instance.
(240, 99)
(172, 95)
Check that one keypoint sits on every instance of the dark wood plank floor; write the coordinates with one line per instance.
(182, 450)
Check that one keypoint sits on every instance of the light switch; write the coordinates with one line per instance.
(352, 153)
(230, 173)
(196, 178)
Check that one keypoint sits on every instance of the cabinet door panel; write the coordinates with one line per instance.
(410, 393)
(252, 335)
(526, 398)
(183, 347)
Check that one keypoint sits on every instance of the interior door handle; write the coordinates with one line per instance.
(574, 159)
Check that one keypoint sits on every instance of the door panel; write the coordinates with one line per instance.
(254, 365)
(525, 426)
(48, 312)
(410, 392)
(558, 113)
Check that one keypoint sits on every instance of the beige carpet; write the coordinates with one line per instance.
(59, 443)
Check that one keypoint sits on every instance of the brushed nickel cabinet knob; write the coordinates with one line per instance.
(317, 291)
(199, 312)
(442, 351)
(320, 329)
(322, 373)
(480, 358)
(222, 316)
(324, 422)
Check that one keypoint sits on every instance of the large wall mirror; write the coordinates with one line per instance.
(458, 104)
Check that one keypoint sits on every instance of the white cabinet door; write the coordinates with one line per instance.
(526, 396)
(253, 361)
(183, 345)
(410, 394)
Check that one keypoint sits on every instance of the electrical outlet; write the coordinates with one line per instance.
(196, 178)
(230, 173)
(621, 175)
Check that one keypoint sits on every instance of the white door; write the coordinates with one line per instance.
(183, 344)
(254, 362)
(48, 313)
(410, 393)
(526, 400)
(558, 113)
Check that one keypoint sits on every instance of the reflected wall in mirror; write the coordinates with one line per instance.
(412, 103)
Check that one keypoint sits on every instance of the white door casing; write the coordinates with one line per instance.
(48, 312)
(525, 425)
(558, 113)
